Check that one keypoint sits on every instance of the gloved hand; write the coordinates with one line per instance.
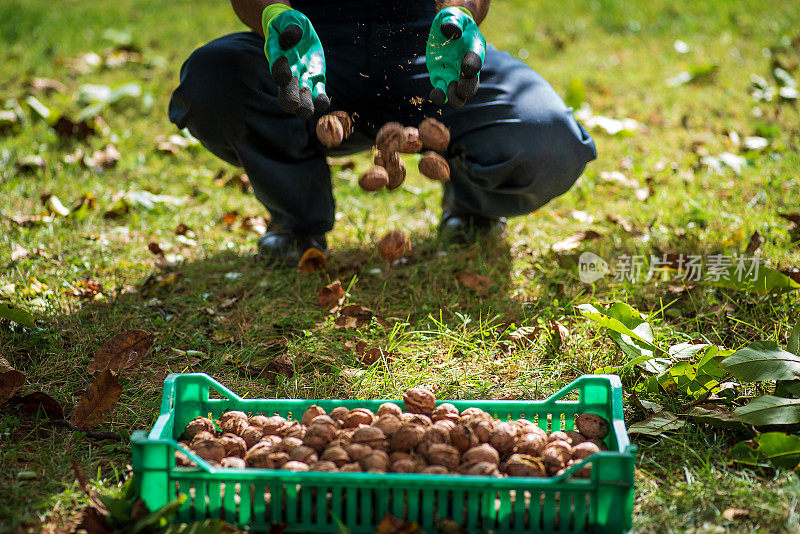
(454, 56)
(296, 60)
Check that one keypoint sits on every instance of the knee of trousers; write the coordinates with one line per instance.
(534, 159)
(210, 99)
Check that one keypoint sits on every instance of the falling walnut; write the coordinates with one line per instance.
(393, 139)
(334, 128)
(393, 245)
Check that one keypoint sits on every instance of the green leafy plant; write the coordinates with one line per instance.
(698, 372)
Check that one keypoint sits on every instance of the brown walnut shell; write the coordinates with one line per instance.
(200, 436)
(278, 459)
(485, 469)
(445, 411)
(584, 450)
(252, 435)
(234, 445)
(388, 423)
(289, 444)
(462, 437)
(434, 135)
(411, 142)
(416, 419)
(374, 179)
(389, 408)
(323, 466)
(483, 429)
(504, 437)
(481, 453)
(407, 437)
(592, 426)
(295, 466)
(358, 417)
(357, 451)
(393, 245)
(209, 449)
(353, 467)
(559, 435)
(258, 458)
(404, 465)
(530, 444)
(233, 462)
(369, 435)
(304, 454)
(446, 455)
(576, 438)
(198, 424)
(419, 400)
(434, 166)
(337, 455)
(330, 130)
(310, 413)
(377, 460)
(390, 137)
(435, 470)
(522, 465)
(339, 413)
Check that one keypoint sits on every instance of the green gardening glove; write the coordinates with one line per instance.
(296, 60)
(454, 56)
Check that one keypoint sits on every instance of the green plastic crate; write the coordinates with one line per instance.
(255, 499)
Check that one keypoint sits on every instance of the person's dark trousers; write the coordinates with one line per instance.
(515, 145)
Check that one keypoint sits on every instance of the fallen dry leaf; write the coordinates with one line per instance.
(255, 224)
(755, 243)
(10, 380)
(121, 351)
(312, 260)
(393, 245)
(574, 241)
(181, 229)
(356, 315)
(155, 248)
(618, 177)
(48, 85)
(103, 159)
(86, 289)
(91, 409)
(478, 282)
(240, 180)
(280, 365)
(66, 128)
(19, 252)
(30, 164)
(622, 223)
(560, 333)
(734, 514)
(525, 334)
(30, 404)
(230, 218)
(331, 295)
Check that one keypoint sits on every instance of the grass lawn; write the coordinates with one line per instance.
(212, 309)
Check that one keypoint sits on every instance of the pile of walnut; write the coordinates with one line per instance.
(426, 439)
(392, 140)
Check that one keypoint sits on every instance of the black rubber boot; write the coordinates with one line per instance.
(285, 247)
(468, 228)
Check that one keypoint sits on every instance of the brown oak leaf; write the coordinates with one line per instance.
(331, 295)
(102, 394)
(121, 351)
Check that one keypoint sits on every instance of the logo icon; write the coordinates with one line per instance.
(591, 267)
